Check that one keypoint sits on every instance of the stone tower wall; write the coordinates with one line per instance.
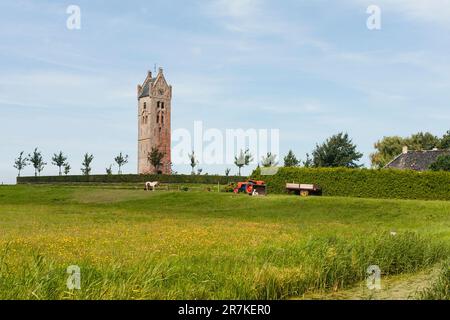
(154, 122)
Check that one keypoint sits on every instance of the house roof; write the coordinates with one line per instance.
(416, 160)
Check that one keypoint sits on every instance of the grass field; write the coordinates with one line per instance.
(132, 244)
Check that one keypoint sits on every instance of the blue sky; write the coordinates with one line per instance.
(308, 68)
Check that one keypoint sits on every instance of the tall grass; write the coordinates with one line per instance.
(271, 272)
(440, 290)
(132, 244)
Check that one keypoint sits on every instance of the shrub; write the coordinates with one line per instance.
(230, 187)
(367, 183)
(130, 178)
(442, 163)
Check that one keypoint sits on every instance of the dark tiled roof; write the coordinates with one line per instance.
(416, 160)
(146, 89)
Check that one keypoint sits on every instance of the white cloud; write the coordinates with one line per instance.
(52, 89)
(240, 16)
(202, 91)
(196, 51)
(256, 18)
(435, 11)
(430, 10)
(235, 8)
(294, 108)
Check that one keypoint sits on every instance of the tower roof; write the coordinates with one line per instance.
(146, 87)
(148, 82)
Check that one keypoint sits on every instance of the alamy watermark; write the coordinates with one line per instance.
(374, 20)
(374, 277)
(74, 279)
(214, 146)
(73, 22)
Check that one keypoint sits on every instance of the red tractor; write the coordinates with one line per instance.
(251, 187)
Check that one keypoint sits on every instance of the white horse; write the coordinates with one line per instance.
(151, 185)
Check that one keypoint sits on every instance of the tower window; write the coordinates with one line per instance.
(145, 105)
(158, 105)
(162, 105)
(157, 118)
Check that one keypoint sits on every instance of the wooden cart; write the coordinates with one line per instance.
(303, 190)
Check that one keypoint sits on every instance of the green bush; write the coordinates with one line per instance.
(366, 183)
(230, 187)
(130, 178)
(441, 164)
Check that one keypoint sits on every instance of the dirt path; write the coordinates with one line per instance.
(400, 287)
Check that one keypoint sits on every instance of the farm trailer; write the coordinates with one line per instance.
(303, 189)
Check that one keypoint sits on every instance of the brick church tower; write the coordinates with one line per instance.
(154, 109)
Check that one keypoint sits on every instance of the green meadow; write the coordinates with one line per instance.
(195, 244)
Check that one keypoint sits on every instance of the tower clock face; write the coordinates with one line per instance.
(161, 91)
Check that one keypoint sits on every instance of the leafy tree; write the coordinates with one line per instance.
(337, 151)
(155, 158)
(199, 171)
(422, 141)
(243, 159)
(20, 163)
(67, 168)
(174, 172)
(269, 160)
(445, 141)
(227, 172)
(109, 170)
(59, 160)
(308, 163)
(290, 160)
(387, 149)
(86, 169)
(37, 161)
(194, 162)
(442, 163)
(121, 161)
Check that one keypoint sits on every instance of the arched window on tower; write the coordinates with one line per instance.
(158, 105)
(162, 105)
(162, 118)
(157, 118)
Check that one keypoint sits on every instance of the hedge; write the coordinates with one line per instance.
(367, 183)
(130, 178)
